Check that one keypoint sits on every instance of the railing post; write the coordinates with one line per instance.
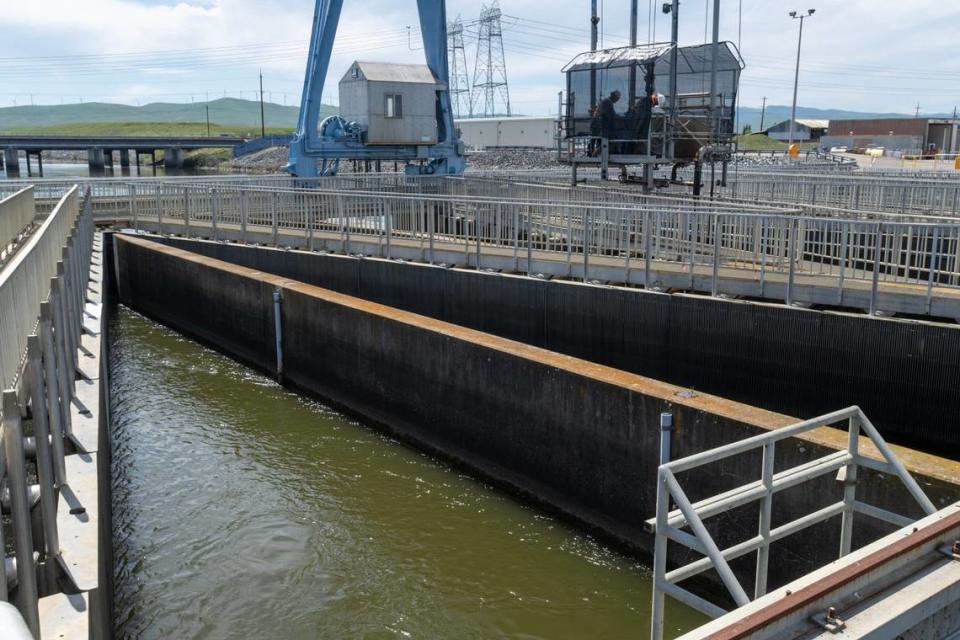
(26, 596)
(41, 432)
(214, 205)
(186, 211)
(659, 557)
(133, 207)
(388, 230)
(647, 240)
(849, 479)
(843, 259)
(274, 222)
(587, 238)
(160, 207)
(791, 258)
(717, 246)
(65, 376)
(934, 265)
(766, 510)
(54, 408)
(244, 213)
(875, 284)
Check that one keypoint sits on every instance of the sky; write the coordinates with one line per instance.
(862, 55)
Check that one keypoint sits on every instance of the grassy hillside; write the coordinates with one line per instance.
(145, 129)
(226, 112)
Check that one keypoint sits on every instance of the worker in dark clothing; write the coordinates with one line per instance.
(640, 113)
(608, 117)
(596, 130)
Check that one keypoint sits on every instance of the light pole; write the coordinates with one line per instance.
(796, 77)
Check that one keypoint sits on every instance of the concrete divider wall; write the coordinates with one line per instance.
(905, 375)
(576, 436)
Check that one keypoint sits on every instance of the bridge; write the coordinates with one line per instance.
(100, 149)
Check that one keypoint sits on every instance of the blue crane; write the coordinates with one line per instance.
(318, 146)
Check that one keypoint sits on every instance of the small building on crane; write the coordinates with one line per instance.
(392, 103)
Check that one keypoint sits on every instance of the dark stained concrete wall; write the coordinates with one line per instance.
(578, 437)
(905, 375)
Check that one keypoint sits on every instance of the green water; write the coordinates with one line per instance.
(245, 511)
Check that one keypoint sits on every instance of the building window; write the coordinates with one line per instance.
(393, 105)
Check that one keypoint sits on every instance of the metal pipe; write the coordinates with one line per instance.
(674, 41)
(726, 574)
(26, 595)
(278, 331)
(666, 428)
(714, 118)
(41, 432)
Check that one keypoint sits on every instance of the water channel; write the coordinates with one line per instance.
(244, 510)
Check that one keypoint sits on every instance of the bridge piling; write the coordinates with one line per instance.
(95, 161)
(173, 158)
(125, 161)
(12, 158)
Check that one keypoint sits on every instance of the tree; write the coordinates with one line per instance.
(747, 129)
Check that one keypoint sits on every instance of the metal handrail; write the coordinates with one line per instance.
(669, 525)
(41, 319)
(17, 212)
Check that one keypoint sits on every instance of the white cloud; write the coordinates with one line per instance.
(880, 55)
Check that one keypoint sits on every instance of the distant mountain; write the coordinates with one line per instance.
(225, 111)
(779, 113)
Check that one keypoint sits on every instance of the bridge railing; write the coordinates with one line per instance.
(42, 297)
(888, 194)
(17, 212)
(690, 241)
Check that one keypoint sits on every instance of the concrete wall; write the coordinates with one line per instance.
(904, 374)
(577, 437)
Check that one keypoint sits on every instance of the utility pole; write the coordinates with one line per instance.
(632, 89)
(208, 119)
(714, 120)
(263, 125)
(674, 10)
(763, 112)
(916, 114)
(594, 22)
(796, 77)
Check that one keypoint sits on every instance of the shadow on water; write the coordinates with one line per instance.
(244, 510)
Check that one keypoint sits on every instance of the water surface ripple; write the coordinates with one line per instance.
(243, 510)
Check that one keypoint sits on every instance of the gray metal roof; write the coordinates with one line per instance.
(391, 72)
(692, 59)
(813, 123)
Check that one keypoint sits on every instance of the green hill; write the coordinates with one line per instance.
(230, 114)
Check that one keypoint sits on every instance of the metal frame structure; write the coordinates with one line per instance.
(316, 143)
(669, 525)
(45, 301)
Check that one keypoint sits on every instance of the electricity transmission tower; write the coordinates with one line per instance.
(490, 70)
(459, 80)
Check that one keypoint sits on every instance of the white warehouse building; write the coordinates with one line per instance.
(516, 131)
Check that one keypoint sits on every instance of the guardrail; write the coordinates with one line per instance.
(669, 525)
(17, 212)
(888, 194)
(43, 292)
(25, 284)
(671, 243)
